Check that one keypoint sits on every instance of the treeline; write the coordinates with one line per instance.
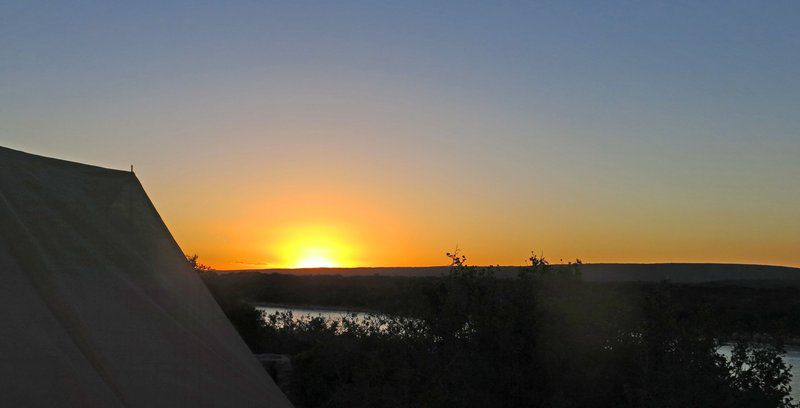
(542, 339)
(355, 292)
(734, 308)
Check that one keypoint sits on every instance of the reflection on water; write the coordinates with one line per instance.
(792, 356)
(299, 312)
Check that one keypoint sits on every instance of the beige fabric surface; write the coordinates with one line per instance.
(98, 307)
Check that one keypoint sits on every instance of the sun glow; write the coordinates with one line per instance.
(315, 247)
(315, 262)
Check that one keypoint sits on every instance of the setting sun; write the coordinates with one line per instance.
(315, 262)
(315, 247)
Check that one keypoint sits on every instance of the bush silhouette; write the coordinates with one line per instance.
(543, 339)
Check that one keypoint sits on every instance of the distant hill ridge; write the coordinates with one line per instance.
(599, 272)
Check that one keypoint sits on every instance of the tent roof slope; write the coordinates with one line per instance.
(100, 307)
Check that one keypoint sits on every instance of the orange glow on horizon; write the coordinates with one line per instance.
(314, 247)
(341, 220)
(315, 261)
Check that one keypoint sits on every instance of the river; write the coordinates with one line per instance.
(792, 356)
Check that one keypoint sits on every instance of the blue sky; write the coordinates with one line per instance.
(619, 122)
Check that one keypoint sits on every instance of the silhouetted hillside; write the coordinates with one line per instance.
(542, 338)
(610, 272)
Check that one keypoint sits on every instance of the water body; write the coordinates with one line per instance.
(300, 312)
(792, 356)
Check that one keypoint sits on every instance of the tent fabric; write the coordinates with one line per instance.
(98, 306)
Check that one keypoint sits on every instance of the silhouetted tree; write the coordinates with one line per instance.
(543, 339)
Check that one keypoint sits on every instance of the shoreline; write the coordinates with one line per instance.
(792, 344)
(341, 309)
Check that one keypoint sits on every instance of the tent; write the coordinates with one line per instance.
(99, 308)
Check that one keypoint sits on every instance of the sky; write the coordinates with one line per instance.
(287, 134)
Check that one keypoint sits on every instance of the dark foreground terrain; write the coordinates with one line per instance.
(542, 337)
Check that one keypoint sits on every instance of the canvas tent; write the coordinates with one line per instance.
(98, 307)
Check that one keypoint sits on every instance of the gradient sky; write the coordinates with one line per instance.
(377, 134)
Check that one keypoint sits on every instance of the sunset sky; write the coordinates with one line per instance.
(286, 134)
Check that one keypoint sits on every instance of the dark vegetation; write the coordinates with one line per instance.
(542, 339)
